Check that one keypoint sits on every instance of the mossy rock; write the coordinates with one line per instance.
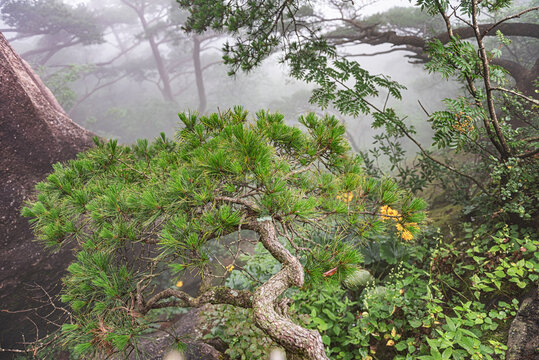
(358, 279)
(523, 337)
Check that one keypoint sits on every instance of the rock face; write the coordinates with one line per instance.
(34, 133)
(523, 338)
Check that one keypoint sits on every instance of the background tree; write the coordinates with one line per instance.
(53, 24)
(116, 44)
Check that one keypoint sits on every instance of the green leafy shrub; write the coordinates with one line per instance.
(236, 328)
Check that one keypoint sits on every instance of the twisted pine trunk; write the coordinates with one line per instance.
(298, 342)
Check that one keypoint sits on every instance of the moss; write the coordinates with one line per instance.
(446, 215)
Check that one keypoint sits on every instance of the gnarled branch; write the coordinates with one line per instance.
(215, 295)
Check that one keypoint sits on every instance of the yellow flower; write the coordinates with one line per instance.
(387, 213)
(399, 227)
(229, 268)
(383, 212)
(407, 235)
(179, 283)
(346, 197)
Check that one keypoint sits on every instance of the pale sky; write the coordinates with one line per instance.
(383, 5)
(379, 6)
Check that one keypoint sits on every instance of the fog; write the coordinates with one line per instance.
(131, 79)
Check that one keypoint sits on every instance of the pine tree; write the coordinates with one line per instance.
(141, 211)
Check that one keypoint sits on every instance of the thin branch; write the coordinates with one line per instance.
(377, 53)
(508, 18)
(446, 18)
(486, 79)
(529, 153)
(423, 108)
(533, 101)
(424, 152)
(239, 201)
(133, 169)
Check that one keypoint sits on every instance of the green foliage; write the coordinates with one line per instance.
(329, 311)
(236, 328)
(60, 82)
(168, 200)
(452, 299)
(485, 140)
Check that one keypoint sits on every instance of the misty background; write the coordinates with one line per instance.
(124, 68)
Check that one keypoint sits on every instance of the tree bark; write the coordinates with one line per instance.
(371, 35)
(298, 342)
(166, 90)
(524, 77)
(159, 63)
(202, 102)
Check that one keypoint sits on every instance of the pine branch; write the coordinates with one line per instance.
(215, 295)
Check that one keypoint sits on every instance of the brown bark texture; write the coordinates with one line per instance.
(35, 132)
(298, 342)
